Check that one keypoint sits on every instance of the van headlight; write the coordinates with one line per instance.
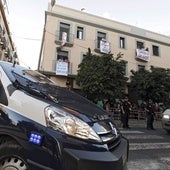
(61, 120)
(166, 116)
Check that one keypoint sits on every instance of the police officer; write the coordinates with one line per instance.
(149, 115)
(125, 111)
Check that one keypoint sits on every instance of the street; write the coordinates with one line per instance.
(148, 149)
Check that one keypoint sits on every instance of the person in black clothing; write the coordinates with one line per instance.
(149, 115)
(125, 111)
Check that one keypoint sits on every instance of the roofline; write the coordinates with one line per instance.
(65, 16)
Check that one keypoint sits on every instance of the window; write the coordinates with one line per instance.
(155, 50)
(83, 56)
(141, 67)
(62, 55)
(80, 32)
(125, 70)
(139, 45)
(1, 30)
(64, 28)
(100, 36)
(122, 42)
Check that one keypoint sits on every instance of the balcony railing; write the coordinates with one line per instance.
(3, 42)
(69, 39)
(105, 47)
(52, 66)
(7, 52)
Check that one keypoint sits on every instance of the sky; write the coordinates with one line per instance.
(26, 19)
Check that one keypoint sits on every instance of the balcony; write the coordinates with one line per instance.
(143, 55)
(7, 52)
(50, 67)
(3, 42)
(102, 47)
(63, 68)
(69, 39)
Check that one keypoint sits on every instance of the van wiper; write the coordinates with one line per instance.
(33, 88)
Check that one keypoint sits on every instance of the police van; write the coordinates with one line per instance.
(47, 127)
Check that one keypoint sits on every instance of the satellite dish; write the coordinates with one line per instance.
(83, 9)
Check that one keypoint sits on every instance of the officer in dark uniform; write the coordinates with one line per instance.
(125, 111)
(149, 115)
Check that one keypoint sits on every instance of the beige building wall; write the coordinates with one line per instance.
(7, 48)
(91, 24)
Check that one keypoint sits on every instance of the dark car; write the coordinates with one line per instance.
(47, 127)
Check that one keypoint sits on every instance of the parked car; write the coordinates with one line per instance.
(166, 120)
(47, 127)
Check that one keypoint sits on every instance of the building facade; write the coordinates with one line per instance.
(7, 49)
(68, 34)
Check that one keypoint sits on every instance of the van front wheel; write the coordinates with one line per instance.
(11, 157)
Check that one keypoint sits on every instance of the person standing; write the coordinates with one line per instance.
(100, 103)
(107, 106)
(149, 115)
(125, 111)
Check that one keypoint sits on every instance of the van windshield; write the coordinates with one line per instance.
(34, 83)
(35, 76)
(16, 71)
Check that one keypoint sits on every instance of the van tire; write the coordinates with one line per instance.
(11, 157)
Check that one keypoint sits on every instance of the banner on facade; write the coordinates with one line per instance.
(62, 68)
(64, 38)
(104, 46)
(142, 54)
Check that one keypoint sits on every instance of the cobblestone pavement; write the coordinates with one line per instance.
(148, 150)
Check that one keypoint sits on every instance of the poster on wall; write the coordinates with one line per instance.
(62, 68)
(142, 54)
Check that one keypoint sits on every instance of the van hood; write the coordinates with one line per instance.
(64, 97)
(48, 90)
(72, 100)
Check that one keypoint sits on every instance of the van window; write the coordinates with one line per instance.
(3, 97)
